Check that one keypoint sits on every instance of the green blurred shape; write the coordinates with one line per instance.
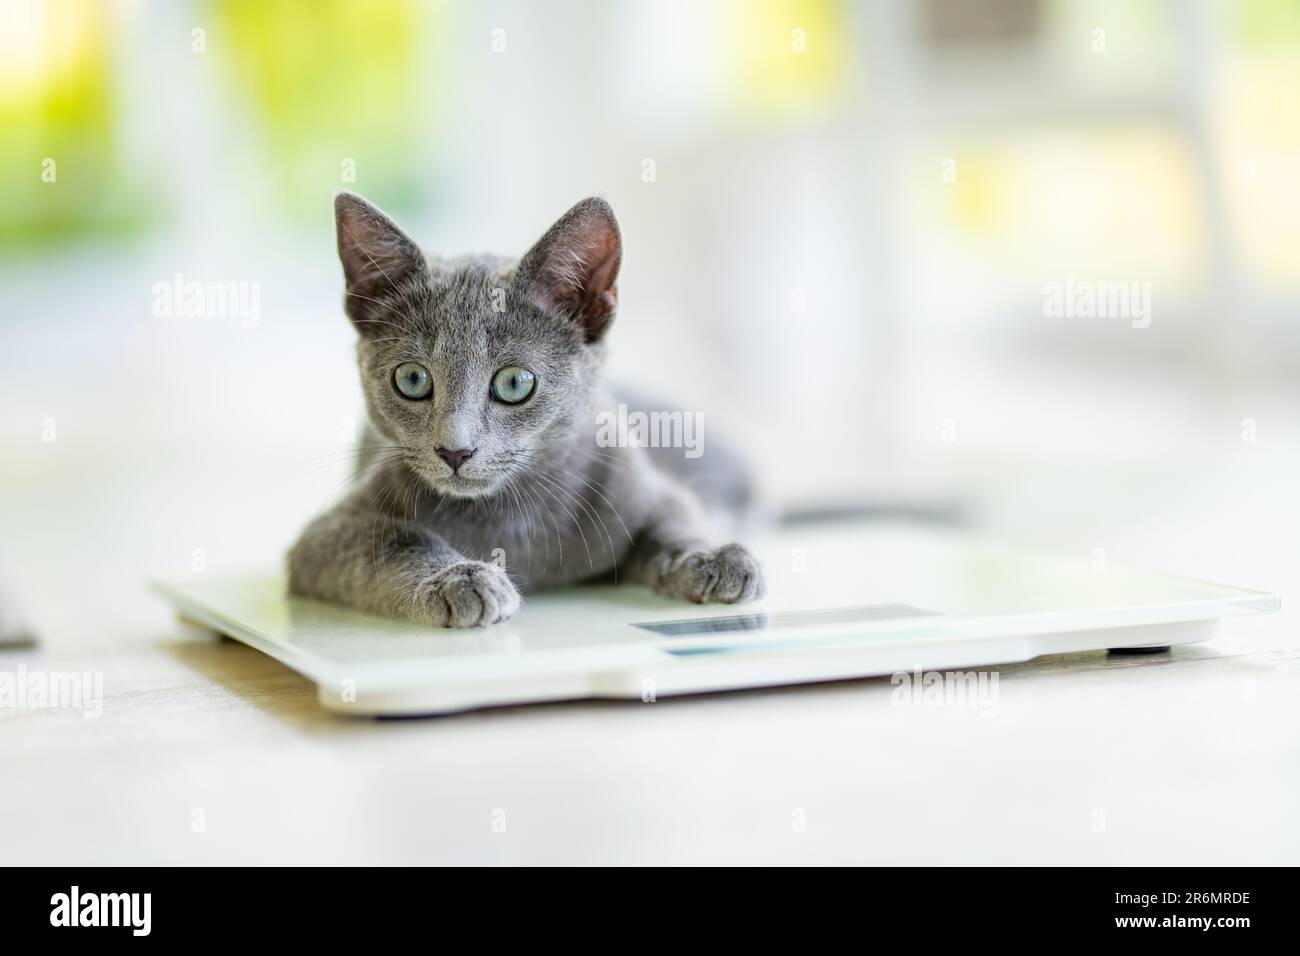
(1267, 23)
(63, 176)
(333, 86)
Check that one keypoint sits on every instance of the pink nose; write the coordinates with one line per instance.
(455, 458)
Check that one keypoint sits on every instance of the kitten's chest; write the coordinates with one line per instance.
(543, 540)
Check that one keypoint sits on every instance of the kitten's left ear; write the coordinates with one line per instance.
(574, 267)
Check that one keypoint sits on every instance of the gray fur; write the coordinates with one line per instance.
(539, 504)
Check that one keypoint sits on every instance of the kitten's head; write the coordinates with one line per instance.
(475, 368)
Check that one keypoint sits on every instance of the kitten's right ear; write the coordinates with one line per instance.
(376, 256)
(573, 269)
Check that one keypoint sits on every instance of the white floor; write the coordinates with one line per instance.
(1188, 760)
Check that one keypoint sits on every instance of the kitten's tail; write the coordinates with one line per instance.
(944, 512)
(723, 481)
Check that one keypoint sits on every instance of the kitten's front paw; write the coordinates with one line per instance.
(728, 575)
(468, 594)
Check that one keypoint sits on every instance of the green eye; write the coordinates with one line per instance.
(412, 380)
(513, 384)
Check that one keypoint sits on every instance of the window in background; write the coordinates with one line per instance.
(1024, 207)
(1152, 142)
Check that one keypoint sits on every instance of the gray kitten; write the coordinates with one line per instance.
(483, 475)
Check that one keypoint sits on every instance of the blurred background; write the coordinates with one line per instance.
(841, 223)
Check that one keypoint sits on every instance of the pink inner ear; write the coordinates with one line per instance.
(586, 290)
(599, 296)
(574, 267)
